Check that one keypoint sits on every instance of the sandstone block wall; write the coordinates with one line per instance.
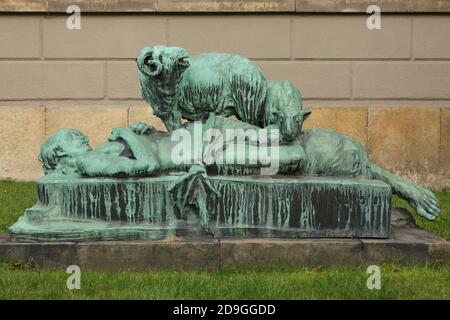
(388, 88)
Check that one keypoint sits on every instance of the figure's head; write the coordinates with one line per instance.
(62, 147)
(162, 63)
(284, 109)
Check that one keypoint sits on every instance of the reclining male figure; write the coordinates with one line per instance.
(316, 152)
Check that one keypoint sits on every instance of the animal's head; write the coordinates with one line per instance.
(284, 109)
(162, 64)
(61, 149)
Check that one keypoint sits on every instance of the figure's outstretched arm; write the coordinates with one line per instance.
(98, 163)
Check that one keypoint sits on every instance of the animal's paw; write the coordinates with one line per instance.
(425, 203)
(141, 128)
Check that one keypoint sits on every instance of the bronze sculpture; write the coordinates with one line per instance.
(206, 171)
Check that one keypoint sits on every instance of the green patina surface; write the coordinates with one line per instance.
(144, 184)
(105, 209)
(178, 85)
(293, 207)
(15, 197)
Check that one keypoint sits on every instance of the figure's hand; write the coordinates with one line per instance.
(425, 203)
(119, 133)
(141, 128)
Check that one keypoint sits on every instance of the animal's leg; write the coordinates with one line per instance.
(172, 122)
(248, 89)
(422, 200)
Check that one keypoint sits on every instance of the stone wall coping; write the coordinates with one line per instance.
(225, 6)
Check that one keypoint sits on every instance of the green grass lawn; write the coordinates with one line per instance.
(304, 283)
(20, 281)
(15, 197)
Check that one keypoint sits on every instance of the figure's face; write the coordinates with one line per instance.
(72, 143)
(162, 63)
(80, 145)
(62, 148)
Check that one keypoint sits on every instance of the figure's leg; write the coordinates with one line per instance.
(265, 160)
(422, 200)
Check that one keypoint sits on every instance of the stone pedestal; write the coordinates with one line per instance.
(300, 207)
(405, 246)
(87, 209)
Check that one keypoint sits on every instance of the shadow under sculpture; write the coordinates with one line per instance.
(259, 175)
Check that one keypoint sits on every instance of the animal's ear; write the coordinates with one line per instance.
(183, 63)
(305, 114)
